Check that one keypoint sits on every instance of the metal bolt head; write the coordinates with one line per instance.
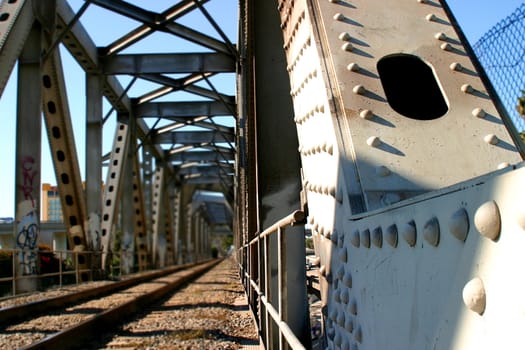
(479, 113)
(366, 114)
(373, 141)
(491, 139)
(353, 67)
(359, 89)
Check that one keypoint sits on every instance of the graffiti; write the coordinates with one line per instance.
(26, 238)
(28, 175)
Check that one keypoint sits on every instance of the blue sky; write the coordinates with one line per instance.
(474, 16)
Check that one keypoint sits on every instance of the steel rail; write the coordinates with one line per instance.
(73, 336)
(39, 307)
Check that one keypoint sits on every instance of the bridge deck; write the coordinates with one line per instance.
(209, 313)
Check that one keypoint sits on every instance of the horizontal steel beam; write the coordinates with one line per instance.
(202, 156)
(192, 137)
(159, 22)
(212, 170)
(172, 110)
(168, 63)
(203, 180)
(178, 10)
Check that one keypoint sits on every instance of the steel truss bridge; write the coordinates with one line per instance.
(370, 121)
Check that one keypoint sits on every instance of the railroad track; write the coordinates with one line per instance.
(65, 322)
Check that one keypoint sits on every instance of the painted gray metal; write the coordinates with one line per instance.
(168, 63)
(194, 137)
(170, 110)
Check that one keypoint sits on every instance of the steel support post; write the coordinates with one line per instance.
(94, 159)
(147, 184)
(127, 246)
(278, 164)
(158, 219)
(28, 160)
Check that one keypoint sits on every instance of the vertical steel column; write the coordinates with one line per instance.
(147, 172)
(176, 227)
(139, 217)
(94, 158)
(169, 202)
(28, 162)
(112, 189)
(189, 230)
(278, 163)
(158, 247)
(127, 246)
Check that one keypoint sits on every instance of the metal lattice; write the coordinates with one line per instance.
(501, 52)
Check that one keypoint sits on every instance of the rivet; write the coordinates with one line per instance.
(440, 36)
(349, 325)
(373, 141)
(474, 295)
(332, 191)
(503, 165)
(347, 47)
(359, 89)
(479, 113)
(338, 339)
(339, 17)
(330, 149)
(431, 231)
(456, 66)
(340, 242)
(347, 280)
(365, 238)
(391, 235)
(343, 255)
(355, 239)
(340, 273)
(459, 225)
(491, 139)
(345, 296)
(487, 220)
(354, 67)
(467, 88)
(337, 296)
(382, 171)
(334, 1)
(345, 36)
(446, 47)
(366, 114)
(330, 333)
(377, 237)
(334, 236)
(358, 334)
(339, 195)
(341, 319)
(408, 231)
(353, 307)
(422, 1)
(431, 17)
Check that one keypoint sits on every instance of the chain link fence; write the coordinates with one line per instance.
(501, 52)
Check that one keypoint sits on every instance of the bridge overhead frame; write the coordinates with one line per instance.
(165, 148)
(411, 237)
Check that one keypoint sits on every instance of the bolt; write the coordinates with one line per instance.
(354, 67)
(339, 16)
(373, 141)
(366, 114)
(359, 89)
(479, 113)
(467, 88)
(456, 66)
(491, 139)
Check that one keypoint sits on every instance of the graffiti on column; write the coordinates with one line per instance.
(27, 221)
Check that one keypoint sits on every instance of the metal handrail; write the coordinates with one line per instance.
(61, 255)
(277, 315)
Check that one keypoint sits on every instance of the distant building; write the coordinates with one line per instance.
(51, 210)
(501, 52)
